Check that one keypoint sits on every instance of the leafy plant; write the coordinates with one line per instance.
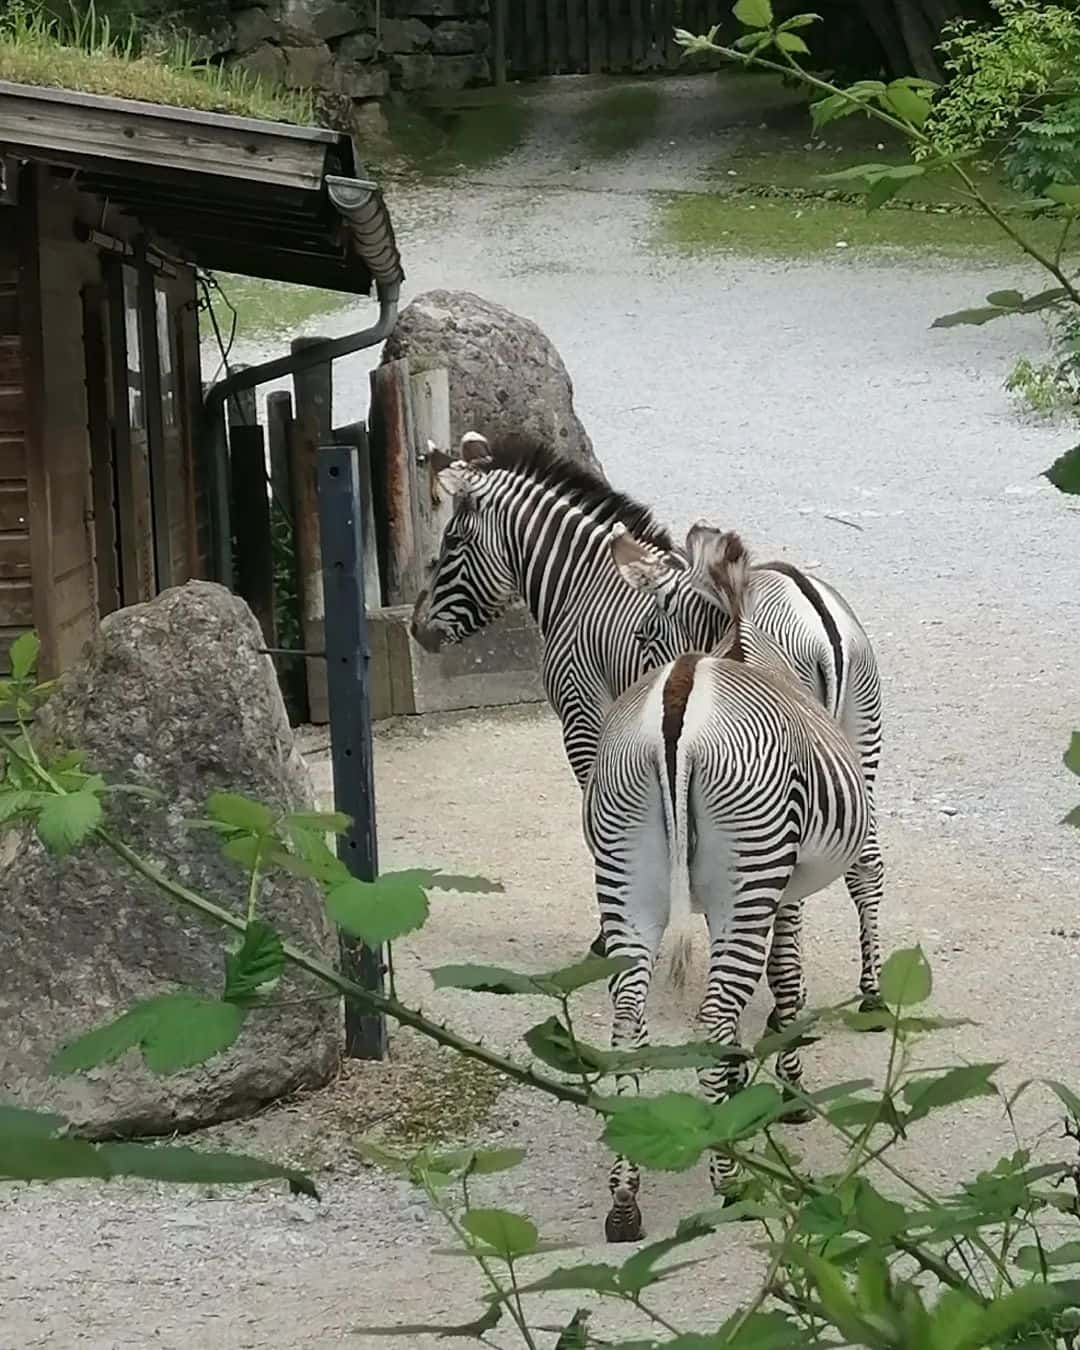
(847, 1261)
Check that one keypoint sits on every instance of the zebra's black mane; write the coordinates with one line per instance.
(519, 453)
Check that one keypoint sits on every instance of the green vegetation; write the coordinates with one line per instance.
(260, 308)
(474, 128)
(621, 120)
(810, 227)
(86, 54)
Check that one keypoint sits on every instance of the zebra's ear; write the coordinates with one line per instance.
(474, 448)
(640, 566)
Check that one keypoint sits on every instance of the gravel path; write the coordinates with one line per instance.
(766, 396)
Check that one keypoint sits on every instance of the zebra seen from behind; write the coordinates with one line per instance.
(529, 523)
(719, 786)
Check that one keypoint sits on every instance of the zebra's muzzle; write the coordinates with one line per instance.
(431, 639)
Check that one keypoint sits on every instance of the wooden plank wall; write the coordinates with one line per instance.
(578, 37)
(16, 595)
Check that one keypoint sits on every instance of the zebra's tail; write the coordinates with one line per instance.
(675, 780)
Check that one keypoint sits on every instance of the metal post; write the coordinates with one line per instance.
(347, 658)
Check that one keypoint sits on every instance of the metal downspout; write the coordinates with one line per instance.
(213, 410)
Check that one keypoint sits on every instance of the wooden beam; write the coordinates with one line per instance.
(66, 124)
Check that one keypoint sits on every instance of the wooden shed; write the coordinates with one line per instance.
(108, 208)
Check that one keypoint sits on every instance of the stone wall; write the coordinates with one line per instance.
(356, 51)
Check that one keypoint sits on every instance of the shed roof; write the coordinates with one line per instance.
(262, 199)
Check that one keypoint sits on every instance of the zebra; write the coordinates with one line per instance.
(718, 785)
(527, 522)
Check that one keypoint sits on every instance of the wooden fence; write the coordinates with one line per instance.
(578, 37)
(404, 513)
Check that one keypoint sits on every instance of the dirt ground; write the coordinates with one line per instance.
(810, 406)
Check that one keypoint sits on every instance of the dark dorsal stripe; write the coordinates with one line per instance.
(827, 621)
(677, 688)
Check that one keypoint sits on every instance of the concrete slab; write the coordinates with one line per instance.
(497, 667)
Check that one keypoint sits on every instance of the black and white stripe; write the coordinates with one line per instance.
(528, 523)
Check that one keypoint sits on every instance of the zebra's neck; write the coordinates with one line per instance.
(558, 552)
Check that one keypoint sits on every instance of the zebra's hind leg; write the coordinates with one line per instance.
(865, 881)
(737, 963)
(785, 974)
(629, 994)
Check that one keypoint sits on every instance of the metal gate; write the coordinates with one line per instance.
(577, 37)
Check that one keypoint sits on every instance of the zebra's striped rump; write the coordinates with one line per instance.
(719, 787)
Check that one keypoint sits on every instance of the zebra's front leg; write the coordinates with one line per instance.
(629, 995)
(866, 883)
(785, 974)
(736, 964)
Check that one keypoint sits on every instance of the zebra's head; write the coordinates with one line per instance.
(471, 583)
(686, 613)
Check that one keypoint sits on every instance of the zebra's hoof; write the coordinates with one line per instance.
(598, 947)
(795, 1114)
(623, 1223)
(874, 1003)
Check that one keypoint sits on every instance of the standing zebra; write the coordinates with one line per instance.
(529, 523)
(719, 785)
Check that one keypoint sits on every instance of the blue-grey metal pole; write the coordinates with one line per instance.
(347, 659)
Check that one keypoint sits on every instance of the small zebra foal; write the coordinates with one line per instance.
(719, 787)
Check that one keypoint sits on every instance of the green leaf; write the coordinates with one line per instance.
(324, 822)
(906, 978)
(744, 1113)
(16, 803)
(1005, 1315)
(434, 880)
(1065, 1095)
(508, 1234)
(34, 1159)
(174, 1031)
(553, 1045)
(23, 655)
(882, 191)
(553, 983)
(245, 849)
(924, 1095)
(239, 813)
(831, 108)
(1005, 299)
(479, 1162)
(907, 103)
(257, 966)
(669, 1132)
(65, 820)
(799, 21)
(791, 42)
(688, 1055)
(754, 13)
(377, 911)
(158, 1162)
(835, 1296)
(876, 1216)
(1066, 193)
(1073, 818)
(17, 1122)
(466, 1331)
(596, 1276)
(639, 1271)
(1030, 1258)
(1064, 473)
(874, 173)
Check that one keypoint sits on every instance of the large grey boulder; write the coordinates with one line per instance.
(505, 374)
(172, 695)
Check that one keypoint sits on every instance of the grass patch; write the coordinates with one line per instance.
(479, 127)
(719, 222)
(267, 308)
(620, 120)
(86, 54)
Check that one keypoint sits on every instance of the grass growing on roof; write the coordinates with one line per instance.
(86, 54)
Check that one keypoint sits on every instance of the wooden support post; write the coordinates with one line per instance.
(395, 458)
(430, 399)
(498, 40)
(278, 417)
(347, 659)
(251, 526)
(216, 459)
(311, 428)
